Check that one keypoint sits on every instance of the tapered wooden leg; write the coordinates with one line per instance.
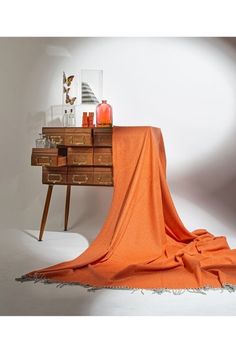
(45, 211)
(67, 206)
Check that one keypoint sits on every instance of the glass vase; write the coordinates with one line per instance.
(104, 114)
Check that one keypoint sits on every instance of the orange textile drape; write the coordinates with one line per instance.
(143, 242)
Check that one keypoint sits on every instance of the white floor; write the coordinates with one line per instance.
(20, 252)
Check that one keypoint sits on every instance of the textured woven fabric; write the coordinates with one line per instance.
(143, 242)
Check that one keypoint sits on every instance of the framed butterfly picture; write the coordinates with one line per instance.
(81, 92)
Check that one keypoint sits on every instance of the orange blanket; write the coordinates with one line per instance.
(143, 243)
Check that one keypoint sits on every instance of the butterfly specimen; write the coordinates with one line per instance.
(70, 100)
(66, 90)
(67, 80)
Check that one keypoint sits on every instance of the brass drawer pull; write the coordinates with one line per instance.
(57, 178)
(43, 160)
(103, 180)
(79, 177)
(103, 160)
(57, 139)
(72, 140)
(80, 142)
(75, 161)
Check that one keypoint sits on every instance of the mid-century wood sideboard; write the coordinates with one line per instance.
(82, 156)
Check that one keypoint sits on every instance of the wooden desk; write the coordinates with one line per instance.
(83, 156)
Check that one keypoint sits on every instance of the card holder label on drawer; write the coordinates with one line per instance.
(55, 178)
(40, 160)
(80, 175)
(75, 160)
(78, 140)
(80, 179)
(59, 140)
(80, 159)
(105, 179)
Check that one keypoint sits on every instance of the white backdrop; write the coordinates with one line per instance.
(185, 86)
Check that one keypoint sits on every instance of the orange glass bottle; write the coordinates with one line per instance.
(104, 114)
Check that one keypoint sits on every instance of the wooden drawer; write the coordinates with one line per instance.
(102, 156)
(102, 136)
(78, 136)
(52, 157)
(102, 176)
(55, 133)
(80, 175)
(54, 175)
(80, 156)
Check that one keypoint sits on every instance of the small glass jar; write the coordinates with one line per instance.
(40, 142)
(53, 143)
(104, 114)
(71, 119)
(47, 141)
(65, 118)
